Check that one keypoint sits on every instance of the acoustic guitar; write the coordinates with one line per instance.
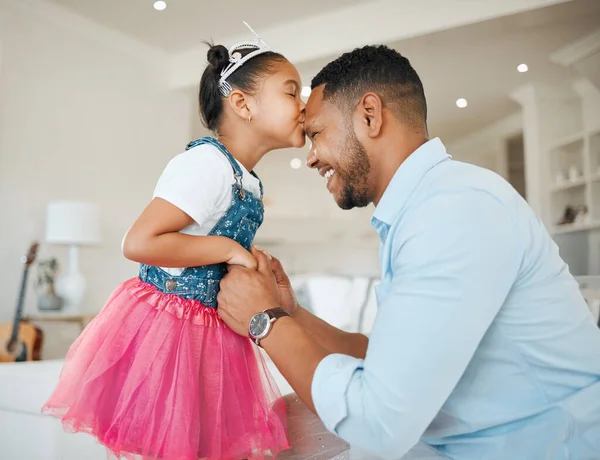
(19, 340)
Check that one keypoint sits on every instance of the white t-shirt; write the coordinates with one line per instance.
(198, 181)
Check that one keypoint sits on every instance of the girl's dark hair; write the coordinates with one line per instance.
(246, 78)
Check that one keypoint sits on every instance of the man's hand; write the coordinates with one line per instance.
(287, 297)
(245, 292)
(329, 337)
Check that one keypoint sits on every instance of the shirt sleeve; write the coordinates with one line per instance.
(196, 182)
(455, 259)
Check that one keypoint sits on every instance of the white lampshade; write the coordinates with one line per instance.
(72, 222)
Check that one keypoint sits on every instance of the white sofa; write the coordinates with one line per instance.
(24, 433)
(27, 435)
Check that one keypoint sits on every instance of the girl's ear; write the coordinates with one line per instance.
(238, 101)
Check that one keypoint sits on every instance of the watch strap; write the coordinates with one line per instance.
(275, 313)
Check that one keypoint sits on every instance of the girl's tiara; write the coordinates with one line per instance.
(236, 60)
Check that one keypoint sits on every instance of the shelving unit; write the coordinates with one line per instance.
(579, 188)
(579, 151)
(561, 132)
(573, 228)
(569, 184)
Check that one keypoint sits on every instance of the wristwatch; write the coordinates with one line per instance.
(261, 323)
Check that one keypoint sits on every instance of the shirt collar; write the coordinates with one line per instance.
(404, 182)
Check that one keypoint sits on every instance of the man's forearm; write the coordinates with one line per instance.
(329, 337)
(296, 356)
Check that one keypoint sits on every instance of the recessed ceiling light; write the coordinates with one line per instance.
(296, 163)
(522, 68)
(160, 5)
(305, 91)
(461, 103)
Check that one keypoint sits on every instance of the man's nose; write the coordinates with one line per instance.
(311, 159)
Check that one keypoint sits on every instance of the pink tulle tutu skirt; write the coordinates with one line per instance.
(156, 376)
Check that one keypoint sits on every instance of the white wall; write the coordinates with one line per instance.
(78, 120)
(487, 147)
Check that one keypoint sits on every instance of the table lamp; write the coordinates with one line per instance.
(72, 223)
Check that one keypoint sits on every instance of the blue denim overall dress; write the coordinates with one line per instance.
(240, 223)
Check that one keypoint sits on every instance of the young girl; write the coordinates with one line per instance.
(157, 374)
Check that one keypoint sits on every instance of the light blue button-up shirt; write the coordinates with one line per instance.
(483, 347)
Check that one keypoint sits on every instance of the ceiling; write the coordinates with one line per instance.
(478, 62)
(186, 23)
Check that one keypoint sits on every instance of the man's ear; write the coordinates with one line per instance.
(370, 110)
(238, 101)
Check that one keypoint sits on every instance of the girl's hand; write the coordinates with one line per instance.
(239, 256)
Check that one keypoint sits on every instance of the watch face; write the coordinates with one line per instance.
(259, 324)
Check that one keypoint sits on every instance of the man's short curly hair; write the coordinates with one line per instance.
(381, 70)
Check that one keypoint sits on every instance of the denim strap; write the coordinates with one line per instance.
(237, 171)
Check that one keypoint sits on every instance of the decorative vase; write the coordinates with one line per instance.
(49, 302)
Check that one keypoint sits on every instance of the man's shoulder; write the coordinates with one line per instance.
(458, 195)
(461, 181)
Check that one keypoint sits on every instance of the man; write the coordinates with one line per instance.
(483, 347)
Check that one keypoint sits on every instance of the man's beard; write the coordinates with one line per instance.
(354, 176)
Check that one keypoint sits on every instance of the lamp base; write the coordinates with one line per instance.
(71, 289)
